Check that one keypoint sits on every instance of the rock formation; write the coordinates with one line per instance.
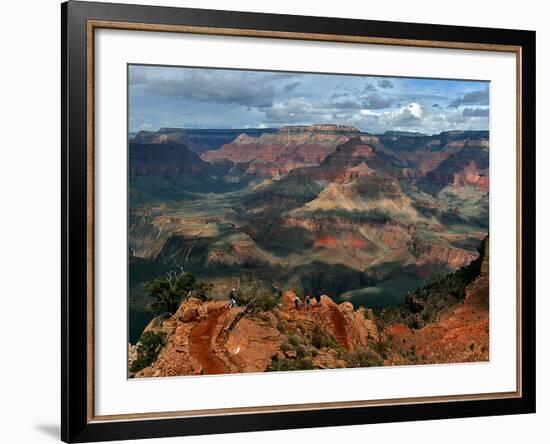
(210, 338)
(275, 154)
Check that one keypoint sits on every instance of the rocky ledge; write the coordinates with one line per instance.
(211, 338)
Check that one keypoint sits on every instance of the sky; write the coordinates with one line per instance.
(181, 97)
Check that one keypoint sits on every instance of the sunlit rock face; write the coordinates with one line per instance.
(275, 154)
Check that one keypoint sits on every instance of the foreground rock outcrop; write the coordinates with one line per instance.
(210, 338)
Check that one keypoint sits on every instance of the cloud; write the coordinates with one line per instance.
(375, 101)
(475, 112)
(406, 117)
(343, 104)
(201, 85)
(292, 86)
(480, 97)
(293, 110)
(216, 98)
(369, 87)
(302, 111)
(336, 95)
(385, 84)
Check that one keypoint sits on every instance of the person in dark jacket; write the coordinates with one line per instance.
(297, 302)
(318, 299)
(233, 298)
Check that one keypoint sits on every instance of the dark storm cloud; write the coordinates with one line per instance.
(480, 97)
(385, 84)
(375, 101)
(292, 86)
(475, 112)
(208, 86)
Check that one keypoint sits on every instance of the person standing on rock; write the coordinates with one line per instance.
(308, 302)
(297, 302)
(233, 298)
(318, 299)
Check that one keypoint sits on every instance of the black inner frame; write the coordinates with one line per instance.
(74, 423)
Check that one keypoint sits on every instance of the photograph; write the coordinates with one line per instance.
(302, 221)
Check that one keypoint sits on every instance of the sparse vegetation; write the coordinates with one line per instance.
(322, 339)
(364, 357)
(201, 290)
(301, 351)
(452, 284)
(148, 349)
(283, 365)
(294, 340)
(285, 347)
(170, 290)
(257, 297)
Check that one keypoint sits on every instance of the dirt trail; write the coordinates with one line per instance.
(200, 345)
(339, 325)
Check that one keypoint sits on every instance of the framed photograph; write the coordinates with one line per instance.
(275, 221)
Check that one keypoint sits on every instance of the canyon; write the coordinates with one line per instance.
(363, 219)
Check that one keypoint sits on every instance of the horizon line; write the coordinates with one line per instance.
(303, 125)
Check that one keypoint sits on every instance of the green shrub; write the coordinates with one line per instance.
(257, 298)
(284, 365)
(364, 358)
(323, 339)
(285, 347)
(261, 303)
(168, 291)
(148, 348)
(295, 341)
(426, 315)
(300, 351)
(201, 290)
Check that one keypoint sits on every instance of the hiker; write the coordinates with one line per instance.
(296, 302)
(308, 302)
(318, 299)
(233, 298)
